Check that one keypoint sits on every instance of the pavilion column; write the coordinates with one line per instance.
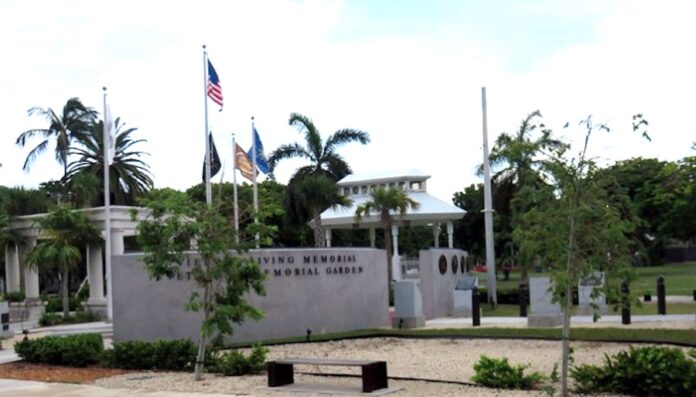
(436, 235)
(12, 267)
(95, 275)
(31, 275)
(450, 234)
(117, 247)
(396, 261)
(373, 237)
(327, 237)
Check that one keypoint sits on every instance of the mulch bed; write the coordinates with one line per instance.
(54, 373)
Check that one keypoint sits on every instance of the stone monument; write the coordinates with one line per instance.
(543, 313)
(588, 305)
(463, 296)
(408, 305)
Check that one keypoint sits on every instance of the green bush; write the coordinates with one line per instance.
(643, 371)
(235, 363)
(55, 305)
(83, 294)
(498, 373)
(49, 319)
(72, 350)
(172, 355)
(16, 296)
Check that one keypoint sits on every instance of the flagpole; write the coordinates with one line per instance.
(208, 187)
(107, 217)
(256, 172)
(488, 208)
(234, 189)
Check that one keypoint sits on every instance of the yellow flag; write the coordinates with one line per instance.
(243, 164)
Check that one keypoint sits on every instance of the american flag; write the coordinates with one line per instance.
(214, 89)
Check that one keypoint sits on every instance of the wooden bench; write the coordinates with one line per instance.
(374, 373)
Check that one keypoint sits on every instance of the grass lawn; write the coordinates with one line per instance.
(672, 308)
(680, 279)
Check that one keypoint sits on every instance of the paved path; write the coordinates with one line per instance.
(22, 388)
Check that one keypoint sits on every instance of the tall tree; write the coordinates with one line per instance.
(322, 156)
(64, 129)
(129, 175)
(66, 231)
(386, 203)
(318, 192)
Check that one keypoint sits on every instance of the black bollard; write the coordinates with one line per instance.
(661, 305)
(475, 307)
(625, 307)
(695, 295)
(522, 299)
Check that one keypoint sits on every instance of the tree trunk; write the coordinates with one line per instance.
(568, 307)
(200, 357)
(64, 286)
(388, 248)
(318, 230)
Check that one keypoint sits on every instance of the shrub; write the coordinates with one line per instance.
(72, 350)
(498, 373)
(48, 319)
(643, 371)
(16, 296)
(172, 355)
(55, 305)
(235, 363)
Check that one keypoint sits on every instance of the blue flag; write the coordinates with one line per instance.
(261, 163)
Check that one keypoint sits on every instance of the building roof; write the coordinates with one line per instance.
(383, 176)
(430, 210)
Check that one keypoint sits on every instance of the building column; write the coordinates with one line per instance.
(436, 235)
(117, 247)
(373, 236)
(450, 234)
(95, 275)
(31, 275)
(12, 267)
(327, 237)
(396, 260)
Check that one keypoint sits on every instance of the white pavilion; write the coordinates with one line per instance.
(431, 211)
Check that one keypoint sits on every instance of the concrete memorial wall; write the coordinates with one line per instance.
(440, 269)
(323, 290)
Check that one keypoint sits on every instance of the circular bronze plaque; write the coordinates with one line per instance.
(442, 264)
(455, 264)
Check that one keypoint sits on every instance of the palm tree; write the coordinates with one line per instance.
(64, 129)
(129, 176)
(317, 193)
(322, 156)
(66, 230)
(385, 202)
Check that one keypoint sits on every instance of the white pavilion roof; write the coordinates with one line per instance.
(431, 209)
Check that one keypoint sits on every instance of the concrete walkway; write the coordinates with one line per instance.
(22, 388)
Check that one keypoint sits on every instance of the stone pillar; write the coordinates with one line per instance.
(117, 247)
(396, 259)
(12, 267)
(327, 237)
(373, 236)
(31, 275)
(450, 234)
(436, 235)
(95, 275)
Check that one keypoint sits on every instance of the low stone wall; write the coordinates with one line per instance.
(323, 290)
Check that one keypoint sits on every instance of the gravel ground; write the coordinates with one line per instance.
(442, 359)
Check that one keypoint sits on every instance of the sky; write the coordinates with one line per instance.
(409, 73)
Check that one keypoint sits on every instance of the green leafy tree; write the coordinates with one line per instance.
(222, 277)
(318, 192)
(129, 175)
(468, 229)
(576, 232)
(386, 203)
(678, 198)
(322, 156)
(64, 231)
(64, 129)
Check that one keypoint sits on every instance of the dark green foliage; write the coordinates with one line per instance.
(171, 355)
(498, 373)
(72, 350)
(48, 319)
(56, 305)
(235, 363)
(643, 371)
(83, 294)
(16, 296)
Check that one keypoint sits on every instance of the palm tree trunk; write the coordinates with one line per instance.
(65, 292)
(318, 230)
(388, 247)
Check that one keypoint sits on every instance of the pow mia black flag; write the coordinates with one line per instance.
(215, 164)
